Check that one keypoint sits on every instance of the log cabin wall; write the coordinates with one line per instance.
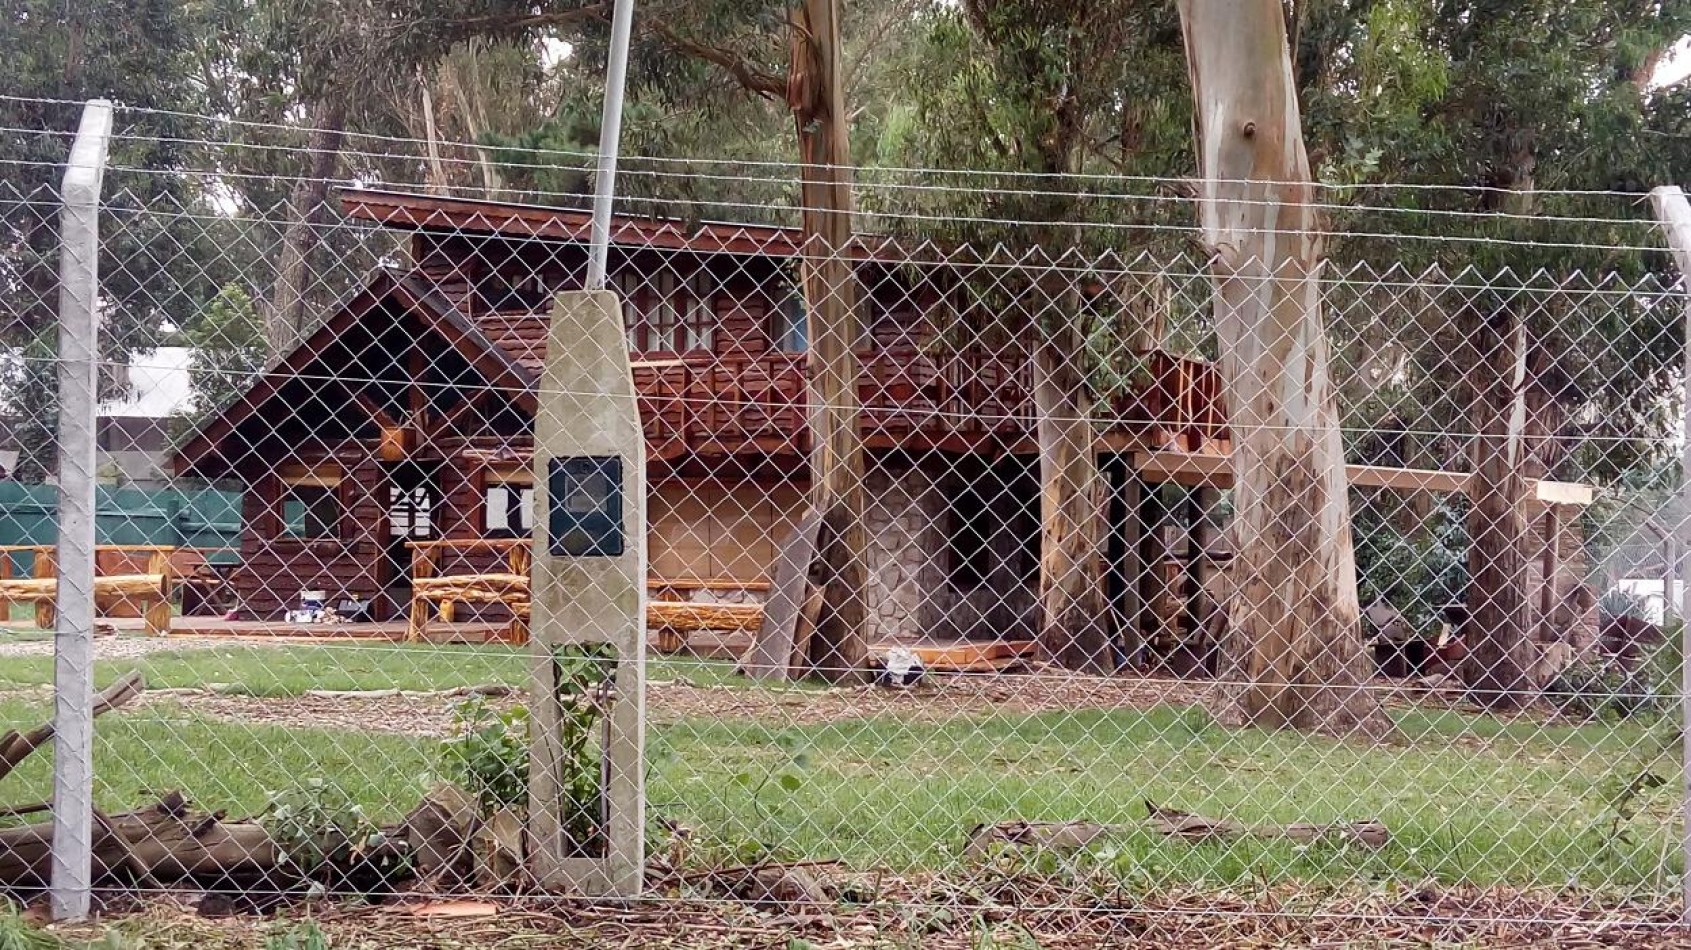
(276, 567)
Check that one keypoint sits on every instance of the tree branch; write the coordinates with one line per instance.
(16, 746)
(750, 77)
(493, 24)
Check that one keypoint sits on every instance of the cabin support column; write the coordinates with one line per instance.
(1153, 552)
(1202, 538)
(1127, 566)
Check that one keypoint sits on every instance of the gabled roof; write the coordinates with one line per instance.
(409, 211)
(417, 297)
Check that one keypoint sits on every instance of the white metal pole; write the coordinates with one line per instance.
(1674, 213)
(610, 141)
(73, 635)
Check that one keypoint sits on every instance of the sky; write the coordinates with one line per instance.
(1676, 65)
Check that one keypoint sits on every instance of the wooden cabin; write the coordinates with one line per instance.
(406, 416)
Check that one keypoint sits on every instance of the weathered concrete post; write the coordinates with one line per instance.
(1673, 212)
(588, 596)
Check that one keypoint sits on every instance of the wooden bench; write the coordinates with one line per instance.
(131, 579)
(670, 610)
(434, 593)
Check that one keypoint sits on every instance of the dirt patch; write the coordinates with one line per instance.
(939, 699)
(933, 914)
(118, 647)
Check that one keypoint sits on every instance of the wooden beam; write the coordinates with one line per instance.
(1214, 469)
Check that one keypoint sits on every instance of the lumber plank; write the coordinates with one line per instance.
(771, 653)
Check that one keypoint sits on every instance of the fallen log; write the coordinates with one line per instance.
(170, 843)
(1370, 833)
(1170, 823)
(162, 843)
(16, 746)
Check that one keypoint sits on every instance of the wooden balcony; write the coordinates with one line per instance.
(730, 404)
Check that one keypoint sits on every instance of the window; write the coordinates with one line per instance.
(788, 327)
(665, 315)
(700, 308)
(410, 512)
(311, 506)
(649, 311)
(508, 504)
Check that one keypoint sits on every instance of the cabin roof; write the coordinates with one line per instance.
(418, 298)
(409, 211)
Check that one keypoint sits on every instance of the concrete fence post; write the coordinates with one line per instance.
(73, 633)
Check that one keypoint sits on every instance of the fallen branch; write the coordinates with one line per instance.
(16, 746)
(1170, 823)
(1369, 833)
(18, 811)
(489, 690)
(172, 843)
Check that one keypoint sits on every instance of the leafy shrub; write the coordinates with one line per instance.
(486, 753)
(317, 823)
(305, 935)
(1595, 690)
(1416, 573)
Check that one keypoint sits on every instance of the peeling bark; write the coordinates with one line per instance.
(1294, 655)
(1074, 626)
(837, 649)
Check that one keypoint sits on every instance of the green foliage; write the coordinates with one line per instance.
(16, 934)
(772, 789)
(304, 935)
(227, 336)
(318, 822)
(585, 680)
(486, 753)
(1417, 572)
(1598, 690)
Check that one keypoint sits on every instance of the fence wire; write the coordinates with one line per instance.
(1422, 662)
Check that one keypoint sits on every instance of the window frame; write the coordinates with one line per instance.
(329, 480)
(514, 483)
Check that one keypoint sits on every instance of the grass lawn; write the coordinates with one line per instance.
(1468, 799)
(292, 669)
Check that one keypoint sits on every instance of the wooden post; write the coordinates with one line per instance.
(46, 565)
(1129, 567)
(1154, 553)
(157, 610)
(1295, 641)
(422, 566)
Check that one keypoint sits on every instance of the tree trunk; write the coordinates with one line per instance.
(1294, 649)
(1074, 626)
(1498, 667)
(838, 647)
(307, 211)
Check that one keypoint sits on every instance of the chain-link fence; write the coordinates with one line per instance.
(1010, 641)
